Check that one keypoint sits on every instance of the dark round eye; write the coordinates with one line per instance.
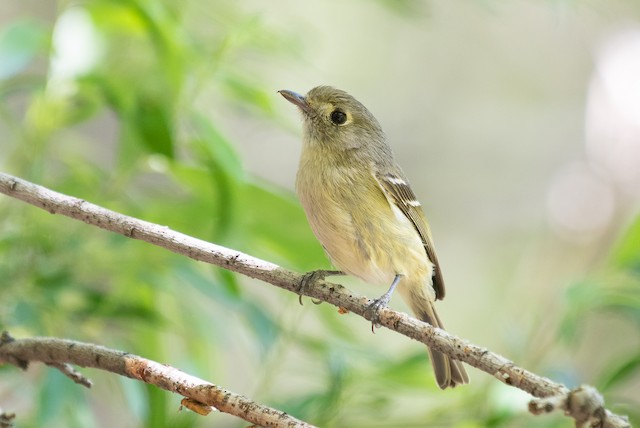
(338, 117)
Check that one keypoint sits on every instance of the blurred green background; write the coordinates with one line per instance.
(518, 123)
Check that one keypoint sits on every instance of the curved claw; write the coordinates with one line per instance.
(307, 278)
(311, 277)
(381, 303)
(374, 311)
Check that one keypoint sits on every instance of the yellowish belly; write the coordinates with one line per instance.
(362, 234)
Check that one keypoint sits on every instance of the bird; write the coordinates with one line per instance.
(363, 211)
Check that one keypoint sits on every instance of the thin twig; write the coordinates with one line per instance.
(59, 352)
(71, 373)
(499, 367)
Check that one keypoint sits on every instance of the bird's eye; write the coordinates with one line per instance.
(338, 117)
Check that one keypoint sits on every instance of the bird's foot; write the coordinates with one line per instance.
(311, 277)
(373, 310)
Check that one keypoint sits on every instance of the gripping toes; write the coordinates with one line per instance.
(311, 277)
(373, 310)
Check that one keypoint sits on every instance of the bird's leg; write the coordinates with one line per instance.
(374, 308)
(313, 276)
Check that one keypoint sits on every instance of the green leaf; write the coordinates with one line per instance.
(618, 293)
(275, 226)
(61, 400)
(157, 406)
(212, 146)
(154, 125)
(412, 371)
(619, 373)
(627, 252)
(249, 94)
(228, 295)
(262, 324)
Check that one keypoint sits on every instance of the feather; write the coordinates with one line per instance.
(397, 190)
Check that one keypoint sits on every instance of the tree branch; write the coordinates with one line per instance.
(60, 352)
(481, 358)
(584, 404)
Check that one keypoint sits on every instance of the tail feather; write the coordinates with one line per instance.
(449, 372)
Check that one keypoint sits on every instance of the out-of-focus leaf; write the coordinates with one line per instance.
(580, 298)
(157, 402)
(338, 325)
(226, 296)
(256, 314)
(262, 324)
(154, 124)
(280, 227)
(322, 407)
(212, 193)
(117, 16)
(225, 173)
(20, 42)
(627, 253)
(249, 94)
(405, 8)
(619, 373)
(212, 145)
(616, 293)
(62, 400)
(413, 371)
(98, 304)
(85, 103)
(230, 282)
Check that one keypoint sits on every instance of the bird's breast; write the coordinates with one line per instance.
(360, 231)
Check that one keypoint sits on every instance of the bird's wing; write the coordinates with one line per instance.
(397, 189)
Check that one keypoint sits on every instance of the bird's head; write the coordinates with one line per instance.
(336, 120)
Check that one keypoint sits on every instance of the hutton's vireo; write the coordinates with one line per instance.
(361, 208)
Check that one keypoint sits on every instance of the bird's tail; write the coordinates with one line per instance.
(449, 372)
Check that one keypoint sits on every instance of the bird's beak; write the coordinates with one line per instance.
(297, 99)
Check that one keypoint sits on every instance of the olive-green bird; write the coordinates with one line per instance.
(362, 209)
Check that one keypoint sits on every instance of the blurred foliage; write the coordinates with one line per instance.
(612, 293)
(102, 105)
